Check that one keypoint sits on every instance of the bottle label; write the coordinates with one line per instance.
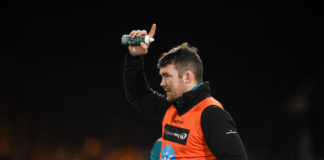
(135, 41)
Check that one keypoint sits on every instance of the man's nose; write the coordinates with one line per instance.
(162, 84)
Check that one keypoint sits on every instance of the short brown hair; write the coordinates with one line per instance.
(183, 57)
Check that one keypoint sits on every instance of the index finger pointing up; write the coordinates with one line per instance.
(152, 31)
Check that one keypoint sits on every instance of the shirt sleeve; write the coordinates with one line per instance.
(221, 135)
(138, 92)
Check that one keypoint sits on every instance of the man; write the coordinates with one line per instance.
(195, 125)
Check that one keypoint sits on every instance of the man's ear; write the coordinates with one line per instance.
(188, 76)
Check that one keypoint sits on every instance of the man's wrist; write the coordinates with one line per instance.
(132, 54)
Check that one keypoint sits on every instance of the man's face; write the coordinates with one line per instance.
(171, 83)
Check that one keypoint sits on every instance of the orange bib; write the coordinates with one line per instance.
(182, 135)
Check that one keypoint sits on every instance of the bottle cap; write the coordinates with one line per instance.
(148, 39)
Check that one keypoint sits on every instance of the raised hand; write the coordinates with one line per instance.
(143, 48)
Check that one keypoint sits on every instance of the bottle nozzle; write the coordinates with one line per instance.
(148, 39)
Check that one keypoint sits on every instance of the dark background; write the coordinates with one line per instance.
(61, 90)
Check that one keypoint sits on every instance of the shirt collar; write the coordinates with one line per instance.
(179, 101)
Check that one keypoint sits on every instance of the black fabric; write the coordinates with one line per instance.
(138, 92)
(221, 135)
(192, 98)
(218, 127)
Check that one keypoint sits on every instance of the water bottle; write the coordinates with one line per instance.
(127, 40)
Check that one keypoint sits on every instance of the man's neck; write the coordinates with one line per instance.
(195, 87)
(179, 101)
(191, 86)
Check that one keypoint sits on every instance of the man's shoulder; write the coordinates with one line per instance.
(215, 113)
(211, 101)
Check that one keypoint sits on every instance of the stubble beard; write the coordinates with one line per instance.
(172, 98)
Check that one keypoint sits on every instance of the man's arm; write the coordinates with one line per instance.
(221, 135)
(138, 92)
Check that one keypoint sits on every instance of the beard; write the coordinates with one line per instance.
(171, 97)
(173, 92)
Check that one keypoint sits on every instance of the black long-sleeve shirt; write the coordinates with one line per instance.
(217, 125)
